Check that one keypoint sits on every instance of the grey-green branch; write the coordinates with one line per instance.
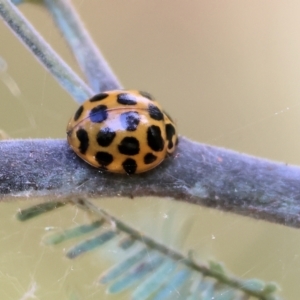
(197, 173)
(70, 81)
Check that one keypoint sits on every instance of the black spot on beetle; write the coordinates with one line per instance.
(170, 131)
(99, 97)
(129, 166)
(146, 95)
(154, 138)
(105, 136)
(78, 113)
(155, 113)
(130, 120)
(149, 158)
(103, 158)
(129, 146)
(126, 99)
(98, 114)
(83, 138)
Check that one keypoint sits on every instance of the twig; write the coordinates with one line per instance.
(214, 270)
(96, 69)
(43, 52)
(198, 174)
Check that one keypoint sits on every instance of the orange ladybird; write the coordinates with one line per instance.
(122, 132)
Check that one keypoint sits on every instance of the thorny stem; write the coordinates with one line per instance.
(94, 66)
(43, 52)
(197, 173)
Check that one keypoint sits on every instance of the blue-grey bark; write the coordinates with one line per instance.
(197, 173)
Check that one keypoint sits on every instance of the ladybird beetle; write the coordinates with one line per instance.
(122, 131)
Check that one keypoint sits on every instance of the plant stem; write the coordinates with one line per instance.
(43, 52)
(221, 277)
(96, 69)
(197, 173)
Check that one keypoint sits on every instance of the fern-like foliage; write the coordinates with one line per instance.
(150, 270)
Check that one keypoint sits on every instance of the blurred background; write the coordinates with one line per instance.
(227, 71)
